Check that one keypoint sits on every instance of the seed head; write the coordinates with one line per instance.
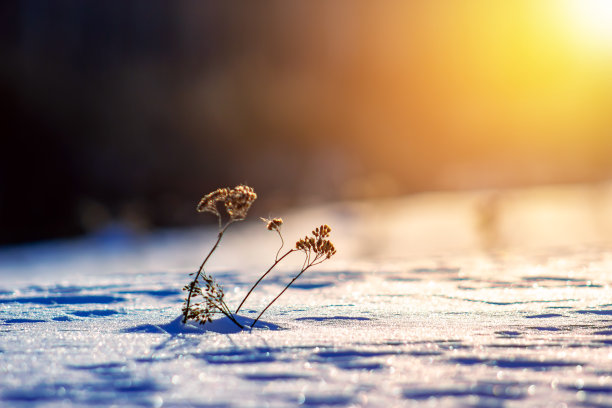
(317, 244)
(322, 231)
(273, 224)
(208, 203)
(238, 201)
(212, 298)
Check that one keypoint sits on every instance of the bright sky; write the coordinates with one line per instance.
(590, 22)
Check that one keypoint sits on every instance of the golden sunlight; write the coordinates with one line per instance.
(591, 22)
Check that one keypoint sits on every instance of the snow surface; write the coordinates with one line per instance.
(472, 299)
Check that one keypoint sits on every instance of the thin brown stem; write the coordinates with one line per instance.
(282, 244)
(197, 276)
(231, 317)
(226, 310)
(319, 259)
(263, 276)
(279, 295)
(305, 260)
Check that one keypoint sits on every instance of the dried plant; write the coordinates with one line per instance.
(213, 302)
(272, 225)
(237, 202)
(317, 249)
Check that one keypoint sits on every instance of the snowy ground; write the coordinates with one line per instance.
(472, 299)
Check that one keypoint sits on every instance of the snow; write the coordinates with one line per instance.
(447, 299)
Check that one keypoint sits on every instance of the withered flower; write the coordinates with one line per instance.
(317, 249)
(213, 301)
(273, 224)
(238, 201)
(317, 244)
(208, 203)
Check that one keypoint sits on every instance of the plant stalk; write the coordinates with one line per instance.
(279, 295)
(192, 286)
(276, 262)
(232, 318)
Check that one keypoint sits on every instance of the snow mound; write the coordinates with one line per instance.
(222, 326)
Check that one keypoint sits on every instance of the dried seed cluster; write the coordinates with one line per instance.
(212, 303)
(273, 224)
(318, 244)
(208, 203)
(237, 201)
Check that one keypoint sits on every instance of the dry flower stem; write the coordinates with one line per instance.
(263, 276)
(280, 294)
(317, 245)
(225, 310)
(201, 268)
(237, 202)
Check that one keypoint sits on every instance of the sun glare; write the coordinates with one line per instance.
(591, 21)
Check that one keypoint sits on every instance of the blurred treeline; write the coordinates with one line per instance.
(127, 112)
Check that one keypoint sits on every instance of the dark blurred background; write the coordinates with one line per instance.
(126, 113)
